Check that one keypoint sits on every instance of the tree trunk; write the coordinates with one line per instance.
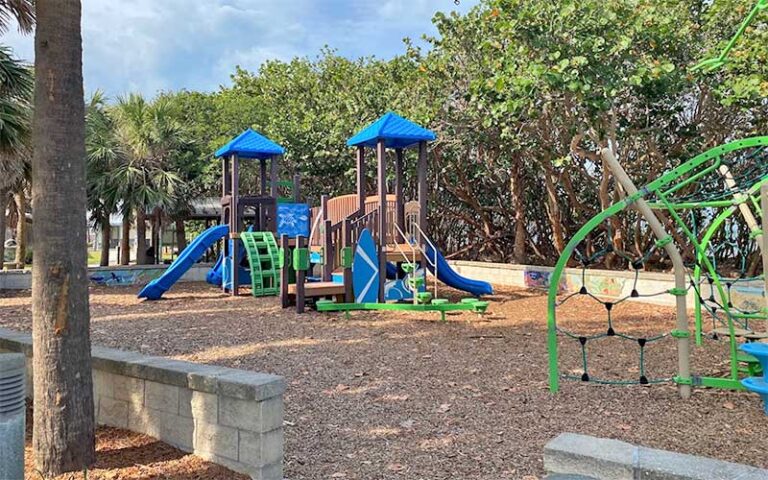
(517, 191)
(181, 235)
(106, 229)
(21, 229)
(553, 210)
(3, 206)
(125, 239)
(141, 236)
(63, 435)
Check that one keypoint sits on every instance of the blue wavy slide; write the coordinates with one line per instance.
(448, 276)
(186, 259)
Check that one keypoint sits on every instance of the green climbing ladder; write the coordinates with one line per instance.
(263, 256)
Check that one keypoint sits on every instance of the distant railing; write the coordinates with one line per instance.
(346, 207)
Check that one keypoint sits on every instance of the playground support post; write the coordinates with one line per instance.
(274, 165)
(764, 243)
(399, 204)
(326, 242)
(361, 179)
(349, 295)
(226, 186)
(263, 177)
(328, 252)
(301, 278)
(234, 226)
(381, 157)
(683, 340)
(284, 271)
(296, 188)
(421, 170)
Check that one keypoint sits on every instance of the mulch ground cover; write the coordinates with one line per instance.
(125, 455)
(396, 395)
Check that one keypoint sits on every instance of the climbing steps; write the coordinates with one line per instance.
(263, 256)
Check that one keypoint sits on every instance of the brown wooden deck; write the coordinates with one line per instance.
(319, 289)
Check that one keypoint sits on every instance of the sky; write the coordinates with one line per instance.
(151, 45)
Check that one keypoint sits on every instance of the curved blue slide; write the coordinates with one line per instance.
(215, 275)
(448, 276)
(157, 287)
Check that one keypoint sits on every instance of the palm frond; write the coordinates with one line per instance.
(23, 11)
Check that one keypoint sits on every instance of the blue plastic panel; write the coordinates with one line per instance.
(292, 219)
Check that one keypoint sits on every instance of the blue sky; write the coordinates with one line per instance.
(151, 45)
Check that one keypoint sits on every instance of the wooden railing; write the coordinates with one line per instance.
(346, 207)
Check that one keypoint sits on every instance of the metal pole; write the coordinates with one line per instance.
(764, 243)
(683, 340)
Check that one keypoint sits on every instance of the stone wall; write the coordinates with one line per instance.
(603, 283)
(108, 276)
(230, 417)
(603, 459)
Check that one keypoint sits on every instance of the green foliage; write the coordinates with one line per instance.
(522, 95)
(16, 81)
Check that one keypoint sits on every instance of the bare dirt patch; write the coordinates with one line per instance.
(402, 395)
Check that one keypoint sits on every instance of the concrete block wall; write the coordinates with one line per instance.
(605, 283)
(108, 276)
(604, 459)
(228, 416)
(15, 279)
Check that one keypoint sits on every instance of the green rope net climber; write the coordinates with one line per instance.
(701, 195)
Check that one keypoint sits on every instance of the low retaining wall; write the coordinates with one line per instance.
(604, 283)
(604, 459)
(230, 417)
(108, 276)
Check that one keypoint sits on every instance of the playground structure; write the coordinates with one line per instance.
(266, 213)
(401, 255)
(374, 249)
(713, 202)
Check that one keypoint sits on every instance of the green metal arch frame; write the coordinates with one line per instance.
(714, 227)
(690, 167)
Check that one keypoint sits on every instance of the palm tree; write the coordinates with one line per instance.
(63, 426)
(23, 11)
(104, 153)
(16, 82)
(151, 137)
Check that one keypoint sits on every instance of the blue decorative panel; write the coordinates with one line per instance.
(293, 219)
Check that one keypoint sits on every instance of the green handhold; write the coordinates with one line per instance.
(424, 297)
(480, 307)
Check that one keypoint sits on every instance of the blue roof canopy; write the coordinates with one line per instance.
(396, 131)
(250, 144)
